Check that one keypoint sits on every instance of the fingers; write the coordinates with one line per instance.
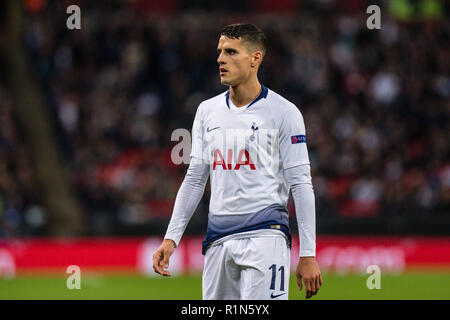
(312, 285)
(160, 263)
(299, 282)
(156, 259)
(318, 282)
(308, 293)
(161, 257)
(309, 272)
(165, 261)
(164, 264)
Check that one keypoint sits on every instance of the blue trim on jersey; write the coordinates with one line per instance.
(263, 94)
(221, 226)
(283, 228)
(227, 96)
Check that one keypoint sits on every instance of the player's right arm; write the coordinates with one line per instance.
(187, 199)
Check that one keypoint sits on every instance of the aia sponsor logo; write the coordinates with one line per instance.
(243, 159)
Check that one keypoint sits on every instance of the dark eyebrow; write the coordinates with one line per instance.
(228, 50)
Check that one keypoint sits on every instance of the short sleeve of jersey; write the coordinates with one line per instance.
(197, 135)
(293, 150)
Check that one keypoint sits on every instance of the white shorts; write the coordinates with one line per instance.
(255, 268)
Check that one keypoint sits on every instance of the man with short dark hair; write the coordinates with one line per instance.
(251, 142)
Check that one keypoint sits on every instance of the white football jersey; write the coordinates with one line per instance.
(247, 149)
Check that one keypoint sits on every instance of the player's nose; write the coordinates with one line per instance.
(220, 59)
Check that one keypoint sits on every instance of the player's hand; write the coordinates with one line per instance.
(161, 257)
(308, 271)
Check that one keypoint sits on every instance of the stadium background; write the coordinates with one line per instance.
(86, 118)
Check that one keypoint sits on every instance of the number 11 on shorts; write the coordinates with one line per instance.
(274, 275)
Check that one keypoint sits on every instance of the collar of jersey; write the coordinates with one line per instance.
(263, 94)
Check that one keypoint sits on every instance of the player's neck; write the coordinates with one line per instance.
(245, 93)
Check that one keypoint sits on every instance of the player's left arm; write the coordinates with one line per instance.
(299, 180)
(297, 173)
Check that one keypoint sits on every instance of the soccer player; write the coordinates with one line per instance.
(251, 142)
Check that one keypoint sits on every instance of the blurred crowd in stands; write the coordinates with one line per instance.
(375, 103)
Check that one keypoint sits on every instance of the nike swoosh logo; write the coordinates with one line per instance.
(208, 129)
(278, 295)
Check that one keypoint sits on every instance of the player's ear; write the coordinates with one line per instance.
(256, 59)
